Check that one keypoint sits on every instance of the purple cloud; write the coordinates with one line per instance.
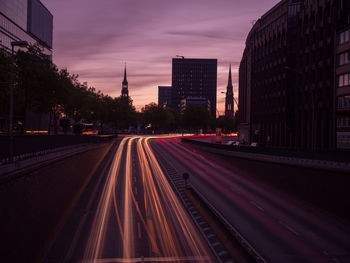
(95, 38)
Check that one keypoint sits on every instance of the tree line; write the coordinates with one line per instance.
(43, 88)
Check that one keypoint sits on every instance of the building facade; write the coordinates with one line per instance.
(164, 96)
(194, 78)
(31, 21)
(194, 101)
(229, 105)
(25, 20)
(342, 80)
(287, 76)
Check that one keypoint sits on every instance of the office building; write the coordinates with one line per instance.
(25, 20)
(194, 101)
(194, 78)
(287, 76)
(164, 96)
(229, 106)
(342, 80)
(31, 21)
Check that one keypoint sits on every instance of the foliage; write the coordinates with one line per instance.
(41, 87)
(158, 117)
(196, 117)
(226, 123)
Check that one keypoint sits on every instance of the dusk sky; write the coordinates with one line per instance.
(94, 38)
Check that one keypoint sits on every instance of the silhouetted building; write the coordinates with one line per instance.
(342, 90)
(229, 106)
(125, 89)
(287, 76)
(194, 101)
(164, 96)
(194, 78)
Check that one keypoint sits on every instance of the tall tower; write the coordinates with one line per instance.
(125, 91)
(229, 106)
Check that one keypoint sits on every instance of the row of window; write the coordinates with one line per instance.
(344, 80)
(344, 37)
(344, 58)
(344, 102)
(343, 122)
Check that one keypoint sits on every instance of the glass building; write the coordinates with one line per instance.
(27, 20)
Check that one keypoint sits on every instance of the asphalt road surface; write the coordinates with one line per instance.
(130, 213)
(280, 227)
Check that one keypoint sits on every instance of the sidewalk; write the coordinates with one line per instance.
(332, 165)
(21, 164)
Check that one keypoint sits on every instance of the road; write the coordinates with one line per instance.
(279, 227)
(130, 215)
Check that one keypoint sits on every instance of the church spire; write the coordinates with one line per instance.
(229, 78)
(125, 91)
(229, 106)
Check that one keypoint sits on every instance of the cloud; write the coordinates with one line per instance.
(94, 38)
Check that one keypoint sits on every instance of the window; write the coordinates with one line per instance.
(344, 102)
(343, 122)
(344, 58)
(343, 80)
(344, 37)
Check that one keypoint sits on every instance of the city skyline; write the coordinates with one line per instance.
(96, 41)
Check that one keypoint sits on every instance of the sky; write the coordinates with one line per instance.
(95, 38)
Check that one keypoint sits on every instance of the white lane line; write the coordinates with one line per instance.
(335, 260)
(257, 206)
(135, 191)
(139, 229)
(289, 228)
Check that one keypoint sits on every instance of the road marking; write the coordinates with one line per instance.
(325, 252)
(139, 229)
(135, 190)
(335, 260)
(256, 205)
(135, 179)
(289, 228)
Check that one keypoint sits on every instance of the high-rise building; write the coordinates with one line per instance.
(287, 78)
(229, 106)
(31, 21)
(25, 20)
(194, 78)
(164, 96)
(342, 80)
(125, 89)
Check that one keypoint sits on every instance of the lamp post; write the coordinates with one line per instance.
(12, 77)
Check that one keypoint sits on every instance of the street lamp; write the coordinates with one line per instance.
(13, 45)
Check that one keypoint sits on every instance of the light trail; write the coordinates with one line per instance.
(168, 229)
(128, 240)
(98, 231)
(189, 235)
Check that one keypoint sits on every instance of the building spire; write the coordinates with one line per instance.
(229, 78)
(125, 81)
(125, 90)
(229, 106)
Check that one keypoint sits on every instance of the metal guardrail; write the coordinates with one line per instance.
(245, 244)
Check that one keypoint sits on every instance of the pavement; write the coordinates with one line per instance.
(130, 213)
(339, 166)
(277, 225)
